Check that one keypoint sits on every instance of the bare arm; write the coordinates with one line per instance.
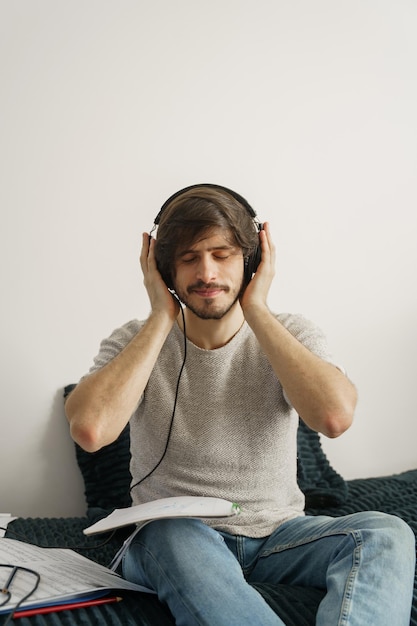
(101, 405)
(321, 394)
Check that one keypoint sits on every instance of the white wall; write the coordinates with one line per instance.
(107, 107)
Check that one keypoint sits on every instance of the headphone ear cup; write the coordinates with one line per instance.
(251, 264)
(252, 261)
(167, 280)
(165, 277)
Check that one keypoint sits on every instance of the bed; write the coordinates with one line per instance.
(107, 479)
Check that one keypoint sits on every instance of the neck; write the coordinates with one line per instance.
(212, 334)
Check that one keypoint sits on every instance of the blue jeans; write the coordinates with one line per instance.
(365, 561)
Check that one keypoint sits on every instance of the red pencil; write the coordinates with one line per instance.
(64, 607)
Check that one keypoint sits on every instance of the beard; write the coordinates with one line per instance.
(208, 308)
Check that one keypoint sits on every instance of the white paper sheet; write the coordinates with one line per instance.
(65, 575)
(181, 506)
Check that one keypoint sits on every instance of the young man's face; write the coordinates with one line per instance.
(209, 275)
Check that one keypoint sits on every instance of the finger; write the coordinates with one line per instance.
(145, 251)
(151, 252)
(267, 240)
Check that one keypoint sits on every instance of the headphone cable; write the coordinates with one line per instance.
(174, 407)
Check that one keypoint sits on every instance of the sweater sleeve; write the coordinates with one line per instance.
(112, 345)
(311, 336)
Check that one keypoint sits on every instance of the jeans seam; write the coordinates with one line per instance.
(350, 581)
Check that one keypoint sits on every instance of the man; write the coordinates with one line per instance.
(213, 383)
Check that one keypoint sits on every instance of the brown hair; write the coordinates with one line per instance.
(190, 216)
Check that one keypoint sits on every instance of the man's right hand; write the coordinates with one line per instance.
(162, 300)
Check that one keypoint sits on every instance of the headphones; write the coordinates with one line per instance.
(252, 261)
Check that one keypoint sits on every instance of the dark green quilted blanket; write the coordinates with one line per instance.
(296, 606)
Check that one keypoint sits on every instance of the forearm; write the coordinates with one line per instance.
(101, 405)
(321, 394)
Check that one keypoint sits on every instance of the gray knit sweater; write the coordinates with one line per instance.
(234, 433)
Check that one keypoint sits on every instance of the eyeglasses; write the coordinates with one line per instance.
(5, 593)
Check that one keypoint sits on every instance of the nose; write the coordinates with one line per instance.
(207, 269)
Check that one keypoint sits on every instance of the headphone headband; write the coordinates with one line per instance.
(232, 193)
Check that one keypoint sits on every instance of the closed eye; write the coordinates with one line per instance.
(218, 257)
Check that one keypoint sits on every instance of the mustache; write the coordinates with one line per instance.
(202, 285)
